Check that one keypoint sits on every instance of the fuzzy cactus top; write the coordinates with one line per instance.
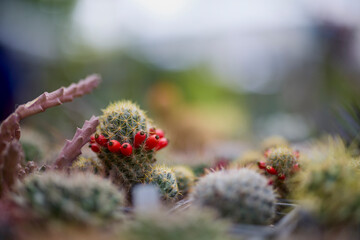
(185, 178)
(83, 198)
(242, 195)
(282, 159)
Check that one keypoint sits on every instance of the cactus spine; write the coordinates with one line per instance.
(121, 121)
(165, 179)
(242, 195)
(185, 179)
(83, 198)
(87, 164)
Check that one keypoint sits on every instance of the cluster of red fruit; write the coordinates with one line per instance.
(155, 140)
(272, 171)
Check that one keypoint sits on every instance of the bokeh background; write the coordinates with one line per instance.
(213, 74)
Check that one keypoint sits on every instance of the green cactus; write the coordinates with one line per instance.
(83, 198)
(87, 164)
(185, 178)
(195, 224)
(165, 179)
(121, 121)
(242, 195)
(328, 187)
(284, 161)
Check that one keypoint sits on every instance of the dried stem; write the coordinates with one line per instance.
(10, 127)
(72, 149)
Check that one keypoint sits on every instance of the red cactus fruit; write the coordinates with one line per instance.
(163, 142)
(101, 140)
(262, 165)
(281, 176)
(151, 142)
(152, 131)
(126, 149)
(94, 148)
(139, 139)
(114, 146)
(271, 170)
(92, 139)
(160, 133)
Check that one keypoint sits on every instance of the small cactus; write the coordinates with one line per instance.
(165, 179)
(242, 195)
(280, 165)
(83, 198)
(125, 143)
(182, 225)
(185, 179)
(247, 159)
(87, 164)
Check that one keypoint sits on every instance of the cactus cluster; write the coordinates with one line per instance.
(184, 225)
(165, 179)
(83, 198)
(126, 144)
(87, 164)
(185, 179)
(242, 195)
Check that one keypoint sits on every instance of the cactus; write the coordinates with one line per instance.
(88, 165)
(185, 179)
(83, 198)
(249, 158)
(165, 179)
(280, 166)
(121, 123)
(242, 195)
(182, 225)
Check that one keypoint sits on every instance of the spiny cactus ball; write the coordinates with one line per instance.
(282, 159)
(83, 198)
(165, 179)
(182, 225)
(247, 159)
(242, 195)
(185, 178)
(119, 124)
(87, 164)
(329, 191)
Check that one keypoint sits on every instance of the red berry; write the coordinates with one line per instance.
(101, 140)
(126, 149)
(262, 165)
(270, 182)
(160, 133)
(94, 148)
(163, 142)
(151, 142)
(139, 139)
(271, 170)
(281, 176)
(92, 139)
(114, 146)
(152, 131)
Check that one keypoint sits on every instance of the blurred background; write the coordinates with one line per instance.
(225, 72)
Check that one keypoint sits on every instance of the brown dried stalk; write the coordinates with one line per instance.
(10, 127)
(72, 149)
(11, 156)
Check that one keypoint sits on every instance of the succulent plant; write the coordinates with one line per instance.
(185, 178)
(83, 198)
(87, 164)
(126, 144)
(242, 195)
(280, 166)
(184, 225)
(165, 179)
(249, 158)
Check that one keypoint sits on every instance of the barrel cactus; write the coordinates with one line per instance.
(83, 198)
(242, 195)
(165, 179)
(182, 225)
(185, 179)
(126, 144)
